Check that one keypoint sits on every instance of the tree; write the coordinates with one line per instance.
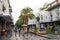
(38, 18)
(26, 13)
(26, 10)
(19, 22)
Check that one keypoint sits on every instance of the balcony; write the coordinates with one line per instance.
(52, 7)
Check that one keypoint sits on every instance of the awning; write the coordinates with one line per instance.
(24, 25)
(49, 22)
(7, 19)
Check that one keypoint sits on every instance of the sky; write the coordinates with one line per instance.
(18, 5)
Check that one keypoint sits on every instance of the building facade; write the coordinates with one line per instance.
(32, 21)
(6, 20)
(54, 11)
(51, 16)
(44, 18)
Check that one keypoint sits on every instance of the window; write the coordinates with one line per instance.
(51, 16)
(3, 8)
(41, 17)
(57, 13)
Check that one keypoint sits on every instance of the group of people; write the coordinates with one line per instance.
(17, 30)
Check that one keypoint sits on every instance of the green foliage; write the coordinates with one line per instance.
(21, 16)
(38, 18)
(24, 28)
(35, 29)
(26, 10)
(25, 14)
(31, 16)
(49, 30)
(57, 26)
(19, 23)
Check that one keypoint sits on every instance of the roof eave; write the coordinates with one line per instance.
(54, 6)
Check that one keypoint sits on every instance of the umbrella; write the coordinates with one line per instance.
(24, 25)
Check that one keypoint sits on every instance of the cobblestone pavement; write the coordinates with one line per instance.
(29, 37)
(26, 37)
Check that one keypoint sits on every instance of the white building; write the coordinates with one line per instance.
(51, 16)
(32, 21)
(44, 16)
(5, 13)
(5, 7)
(54, 11)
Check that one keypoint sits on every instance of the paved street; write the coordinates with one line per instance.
(27, 37)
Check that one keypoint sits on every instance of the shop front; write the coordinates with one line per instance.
(5, 23)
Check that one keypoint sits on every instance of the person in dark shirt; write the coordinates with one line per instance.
(19, 31)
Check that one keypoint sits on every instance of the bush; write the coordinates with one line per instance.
(35, 29)
(49, 30)
(24, 28)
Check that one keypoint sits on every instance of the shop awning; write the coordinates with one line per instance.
(7, 19)
(24, 25)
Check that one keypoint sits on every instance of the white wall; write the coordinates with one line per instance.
(0, 7)
(59, 12)
(46, 16)
(32, 21)
(54, 12)
(6, 5)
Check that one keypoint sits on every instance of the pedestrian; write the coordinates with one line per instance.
(19, 31)
(16, 31)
